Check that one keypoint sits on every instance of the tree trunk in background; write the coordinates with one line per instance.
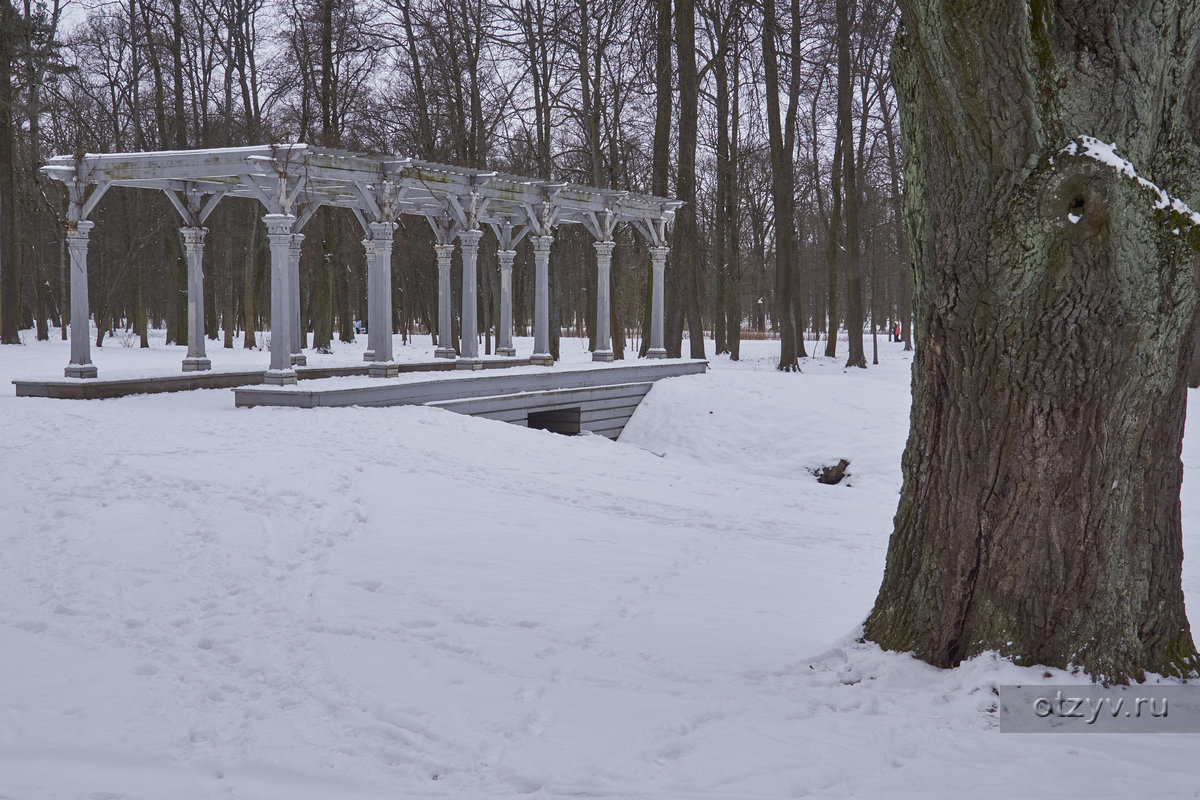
(834, 252)
(322, 290)
(179, 125)
(249, 292)
(686, 298)
(9, 284)
(854, 288)
(721, 222)
(906, 274)
(783, 192)
(662, 138)
(614, 318)
(35, 66)
(1040, 511)
(176, 283)
(141, 323)
(795, 84)
(228, 312)
(733, 239)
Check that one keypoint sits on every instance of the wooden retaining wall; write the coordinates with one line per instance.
(596, 399)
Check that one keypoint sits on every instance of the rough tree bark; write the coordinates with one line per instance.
(1040, 512)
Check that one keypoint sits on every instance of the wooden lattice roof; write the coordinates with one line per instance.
(299, 178)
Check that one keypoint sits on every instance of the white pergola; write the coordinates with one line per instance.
(293, 180)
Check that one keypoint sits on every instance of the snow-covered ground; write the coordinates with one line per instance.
(199, 601)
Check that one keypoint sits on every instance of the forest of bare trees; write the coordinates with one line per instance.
(750, 112)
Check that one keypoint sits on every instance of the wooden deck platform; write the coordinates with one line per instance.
(591, 398)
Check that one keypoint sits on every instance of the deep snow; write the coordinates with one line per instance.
(200, 601)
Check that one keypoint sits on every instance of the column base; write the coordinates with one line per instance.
(445, 352)
(656, 352)
(80, 371)
(383, 369)
(196, 364)
(368, 355)
(542, 360)
(299, 360)
(602, 355)
(279, 377)
(469, 363)
(506, 351)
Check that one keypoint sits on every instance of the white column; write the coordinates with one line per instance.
(541, 305)
(469, 346)
(658, 266)
(299, 337)
(504, 344)
(604, 251)
(372, 297)
(279, 233)
(193, 248)
(81, 365)
(445, 327)
(379, 301)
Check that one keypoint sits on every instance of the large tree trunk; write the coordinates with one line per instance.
(1040, 511)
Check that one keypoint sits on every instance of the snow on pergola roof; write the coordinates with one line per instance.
(299, 178)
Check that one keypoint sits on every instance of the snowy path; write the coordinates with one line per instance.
(404, 602)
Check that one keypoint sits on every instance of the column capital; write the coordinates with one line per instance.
(507, 257)
(369, 246)
(542, 243)
(470, 238)
(659, 254)
(296, 240)
(279, 224)
(193, 237)
(444, 251)
(604, 248)
(382, 230)
(79, 229)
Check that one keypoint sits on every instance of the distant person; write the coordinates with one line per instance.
(896, 333)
